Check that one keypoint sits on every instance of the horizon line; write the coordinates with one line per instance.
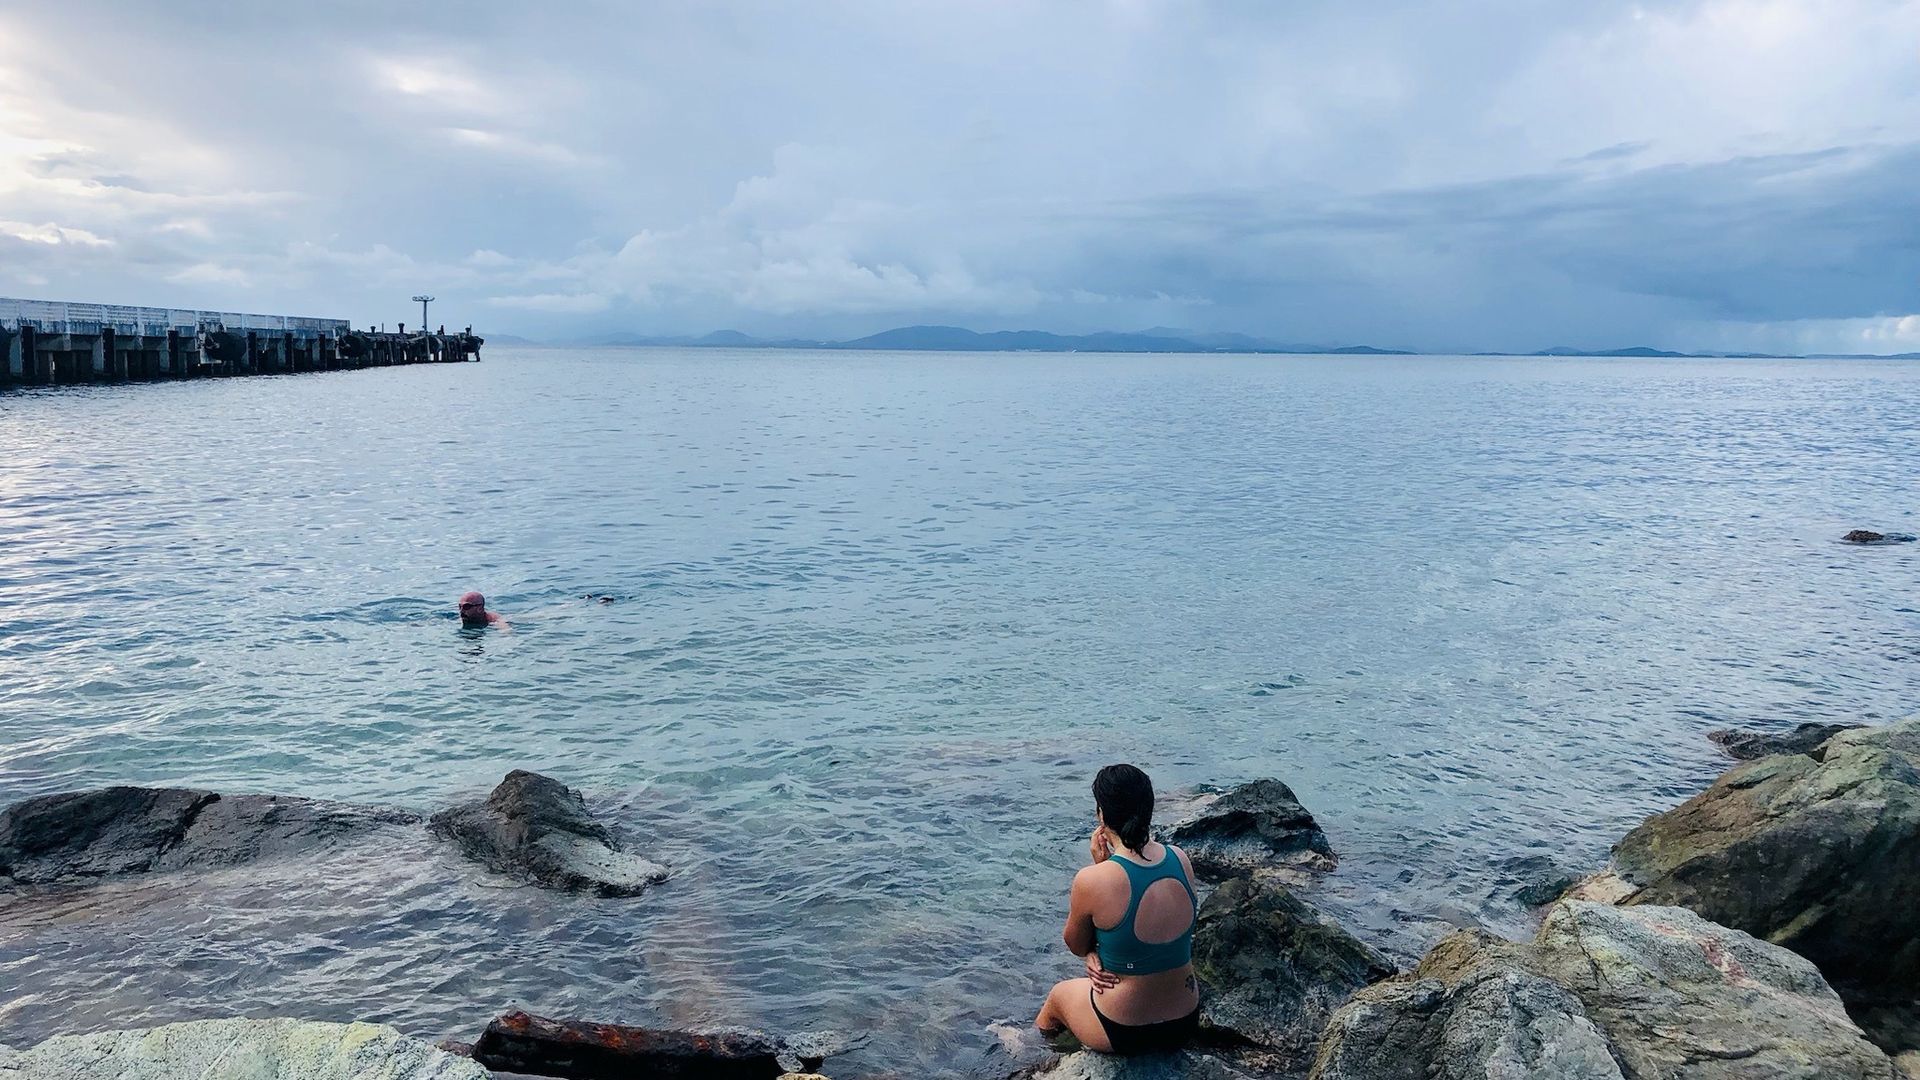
(898, 339)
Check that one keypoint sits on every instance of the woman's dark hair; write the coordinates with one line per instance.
(1125, 798)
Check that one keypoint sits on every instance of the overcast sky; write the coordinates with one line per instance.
(1720, 175)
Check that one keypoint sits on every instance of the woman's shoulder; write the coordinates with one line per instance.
(1186, 864)
(1103, 875)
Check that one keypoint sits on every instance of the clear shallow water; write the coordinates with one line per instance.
(877, 620)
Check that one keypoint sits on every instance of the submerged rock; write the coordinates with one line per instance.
(522, 1043)
(538, 829)
(1602, 993)
(1752, 745)
(1535, 880)
(240, 1050)
(1256, 826)
(127, 830)
(1818, 853)
(1868, 536)
(1275, 968)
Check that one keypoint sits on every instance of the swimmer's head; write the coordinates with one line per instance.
(473, 609)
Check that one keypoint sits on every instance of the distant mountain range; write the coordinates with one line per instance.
(1158, 339)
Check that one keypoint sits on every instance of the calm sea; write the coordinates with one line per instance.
(876, 619)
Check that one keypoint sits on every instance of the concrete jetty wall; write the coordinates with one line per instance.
(45, 343)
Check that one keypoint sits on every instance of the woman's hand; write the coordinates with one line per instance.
(1102, 979)
(1101, 846)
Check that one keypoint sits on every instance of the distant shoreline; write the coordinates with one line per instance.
(1158, 340)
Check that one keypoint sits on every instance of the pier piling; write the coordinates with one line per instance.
(46, 343)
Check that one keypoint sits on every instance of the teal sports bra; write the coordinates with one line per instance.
(1124, 954)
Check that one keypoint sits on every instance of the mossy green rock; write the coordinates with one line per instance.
(1819, 853)
(1275, 967)
(239, 1050)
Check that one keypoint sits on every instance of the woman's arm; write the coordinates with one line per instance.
(1078, 933)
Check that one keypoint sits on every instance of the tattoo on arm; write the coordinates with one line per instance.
(1193, 984)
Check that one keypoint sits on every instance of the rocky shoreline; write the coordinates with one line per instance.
(531, 827)
(1763, 929)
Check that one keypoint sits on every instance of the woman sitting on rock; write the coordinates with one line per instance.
(1131, 917)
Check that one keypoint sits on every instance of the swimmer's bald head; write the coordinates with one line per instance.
(473, 609)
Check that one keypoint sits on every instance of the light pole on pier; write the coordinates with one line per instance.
(423, 301)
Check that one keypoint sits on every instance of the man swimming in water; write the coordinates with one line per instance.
(474, 613)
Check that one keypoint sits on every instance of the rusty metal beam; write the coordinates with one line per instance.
(579, 1050)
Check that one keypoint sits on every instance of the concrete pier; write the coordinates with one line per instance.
(47, 343)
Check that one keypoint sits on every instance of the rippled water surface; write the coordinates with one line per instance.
(875, 621)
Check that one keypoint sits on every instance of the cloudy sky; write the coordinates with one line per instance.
(1718, 174)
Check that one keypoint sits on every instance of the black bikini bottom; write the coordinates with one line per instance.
(1156, 1038)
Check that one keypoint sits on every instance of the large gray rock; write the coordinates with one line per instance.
(1256, 826)
(1275, 968)
(1744, 745)
(1819, 853)
(536, 828)
(1603, 993)
(239, 1050)
(1676, 994)
(124, 830)
(1473, 1009)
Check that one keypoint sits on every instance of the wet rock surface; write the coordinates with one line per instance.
(1256, 826)
(1275, 968)
(1818, 853)
(82, 834)
(1184, 1065)
(240, 1050)
(1892, 1023)
(1602, 993)
(85, 835)
(1868, 536)
(1746, 745)
(535, 828)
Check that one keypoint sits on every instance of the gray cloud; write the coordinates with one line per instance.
(1728, 173)
(1615, 152)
